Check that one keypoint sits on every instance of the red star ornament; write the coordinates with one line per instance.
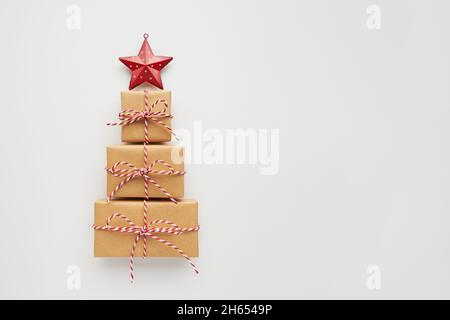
(145, 67)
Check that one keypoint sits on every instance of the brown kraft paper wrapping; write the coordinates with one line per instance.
(117, 244)
(134, 154)
(135, 132)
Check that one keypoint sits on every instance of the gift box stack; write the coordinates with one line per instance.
(144, 213)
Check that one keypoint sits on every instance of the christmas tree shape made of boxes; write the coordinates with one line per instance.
(144, 214)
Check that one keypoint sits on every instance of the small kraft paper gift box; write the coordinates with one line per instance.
(115, 243)
(158, 116)
(126, 171)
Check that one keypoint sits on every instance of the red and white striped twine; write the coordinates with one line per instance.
(147, 231)
(128, 171)
(130, 116)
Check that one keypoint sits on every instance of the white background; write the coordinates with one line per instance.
(364, 145)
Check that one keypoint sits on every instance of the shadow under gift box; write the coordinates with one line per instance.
(117, 244)
(134, 154)
(135, 132)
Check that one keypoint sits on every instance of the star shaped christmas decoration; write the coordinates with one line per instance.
(145, 67)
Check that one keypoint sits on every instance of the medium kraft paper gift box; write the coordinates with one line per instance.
(135, 100)
(117, 244)
(134, 154)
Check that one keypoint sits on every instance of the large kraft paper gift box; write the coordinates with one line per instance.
(117, 244)
(135, 100)
(134, 154)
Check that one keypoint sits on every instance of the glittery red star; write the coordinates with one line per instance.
(145, 67)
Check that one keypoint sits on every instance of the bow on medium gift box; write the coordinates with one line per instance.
(129, 172)
(134, 171)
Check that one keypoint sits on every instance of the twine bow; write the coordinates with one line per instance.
(147, 231)
(128, 171)
(130, 116)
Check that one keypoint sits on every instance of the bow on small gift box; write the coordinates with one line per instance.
(130, 116)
